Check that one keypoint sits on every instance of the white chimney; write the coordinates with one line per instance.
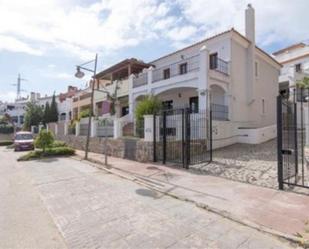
(38, 96)
(250, 23)
(250, 34)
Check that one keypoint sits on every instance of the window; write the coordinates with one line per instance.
(124, 111)
(194, 104)
(298, 67)
(256, 69)
(183, 68)
(213, 61)
(263, 106)
(167, 105)
(166, 73)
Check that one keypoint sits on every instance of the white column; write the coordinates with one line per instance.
(203, 78)
(148, 128)
(117, 128)
(93, 130)
(77, 129)
(66, 127)
(149, 79)
(131, 100)
(56, 129)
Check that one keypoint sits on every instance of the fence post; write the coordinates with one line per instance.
(279, 142)
(187, 137)
(210, 135)
(117, 128)
(93, 130)
(56, 129)
(164, 137)
(65, 132)
(154, 138)
(77, 129)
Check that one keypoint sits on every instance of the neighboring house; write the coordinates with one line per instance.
(116, 75)
(295, 61)
(64, 102)
(226, 72)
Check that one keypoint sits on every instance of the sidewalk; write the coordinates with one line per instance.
(280, 213)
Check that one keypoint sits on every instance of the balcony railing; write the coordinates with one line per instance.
(140, 80)
(192, 64)
(85, 96)
(220, 66)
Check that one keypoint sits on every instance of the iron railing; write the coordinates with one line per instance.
(220, 66)
(192, 64)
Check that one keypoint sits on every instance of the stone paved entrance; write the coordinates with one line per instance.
(255, 164)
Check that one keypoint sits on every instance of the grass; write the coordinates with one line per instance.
(6, 143)
(50, 152)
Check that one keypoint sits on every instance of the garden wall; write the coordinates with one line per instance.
(129, 148)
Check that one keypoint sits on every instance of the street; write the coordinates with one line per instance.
(65, 203)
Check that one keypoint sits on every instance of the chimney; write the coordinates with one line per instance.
(250, 34)
(38, 96)
(250, 23)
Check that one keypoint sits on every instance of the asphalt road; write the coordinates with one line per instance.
(58, 203)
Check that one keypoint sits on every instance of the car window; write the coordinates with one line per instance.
(23, 137)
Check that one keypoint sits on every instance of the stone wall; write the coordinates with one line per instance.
(141, 151)
(6, 136)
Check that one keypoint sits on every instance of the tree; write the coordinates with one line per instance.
(44, 140)
(46, 118)
(304, 83)
(33, 115)
(149, 105)
(53, 110)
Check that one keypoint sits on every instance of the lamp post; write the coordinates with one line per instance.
(80, 74)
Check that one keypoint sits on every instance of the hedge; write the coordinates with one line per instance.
(50, 152)
(6, 143)
(6, 129)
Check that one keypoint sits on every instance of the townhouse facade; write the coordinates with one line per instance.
(227, 73)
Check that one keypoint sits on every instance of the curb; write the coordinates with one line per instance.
(125, 175)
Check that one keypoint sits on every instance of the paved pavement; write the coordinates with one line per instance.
(279, 212)
(24, 220)
(95, 209)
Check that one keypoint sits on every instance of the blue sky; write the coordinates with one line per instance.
(44, 39)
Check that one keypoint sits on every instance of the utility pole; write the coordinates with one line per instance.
(18, 86)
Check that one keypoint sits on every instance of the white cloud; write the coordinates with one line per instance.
(7, 96)
(14, 45)
(109, 25)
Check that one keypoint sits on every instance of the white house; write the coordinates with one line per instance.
(226, 72)
(295, 61)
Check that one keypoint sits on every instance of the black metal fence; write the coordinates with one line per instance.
(291, 129)
(182, 137)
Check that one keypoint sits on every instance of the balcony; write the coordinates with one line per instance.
(140, 80)
(219, 65)
(184, 66)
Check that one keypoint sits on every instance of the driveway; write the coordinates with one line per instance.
(94, 209)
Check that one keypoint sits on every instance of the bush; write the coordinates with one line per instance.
(50, 152)
(58, 143)
(84, 114)
(6, 143)
(44, 140)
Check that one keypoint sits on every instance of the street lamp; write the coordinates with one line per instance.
(79, 74)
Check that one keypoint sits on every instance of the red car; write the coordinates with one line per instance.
(24, 141)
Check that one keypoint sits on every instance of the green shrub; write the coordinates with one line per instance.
(149, 105)
(44, 140)
(84, 114)
(6, 143)
(58, 143)
(50, 152)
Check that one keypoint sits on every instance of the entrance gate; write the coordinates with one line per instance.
(182, 137)
(291, 137)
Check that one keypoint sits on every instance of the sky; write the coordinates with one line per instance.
(43, 40)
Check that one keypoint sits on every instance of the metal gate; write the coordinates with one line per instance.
(182, 137)
(291, 137)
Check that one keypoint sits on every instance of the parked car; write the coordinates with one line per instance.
(23, 141)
